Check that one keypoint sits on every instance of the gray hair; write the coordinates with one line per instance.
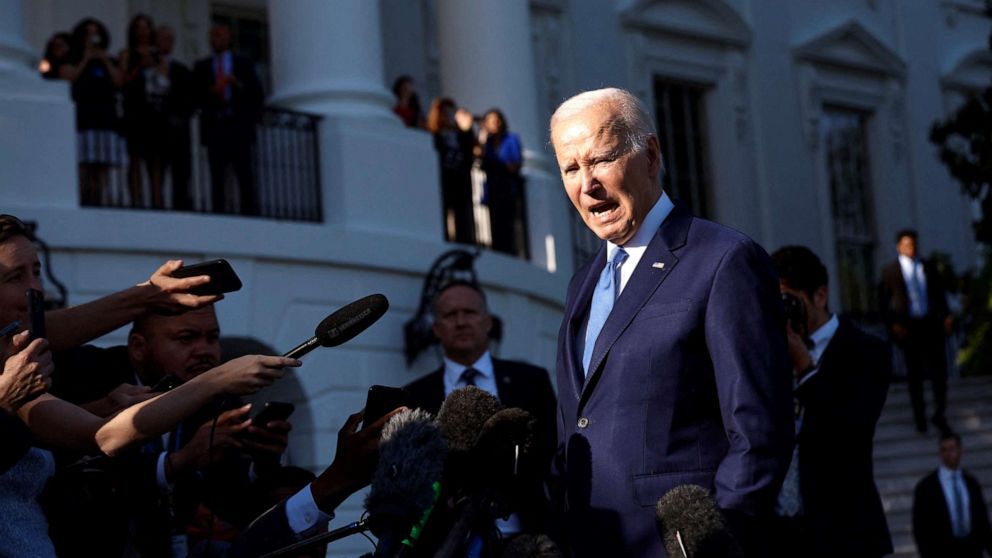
(631, 121)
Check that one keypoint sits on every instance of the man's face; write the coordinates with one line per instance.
(220, 38)
(184, 346)
(462, 324)
(950, 453)
(610, 186)
(20, 270)
(164, 40)
(907, 247)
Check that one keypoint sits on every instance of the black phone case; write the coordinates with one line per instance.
(272, 410)
(383, 399)
(36, 313)
(223, 279)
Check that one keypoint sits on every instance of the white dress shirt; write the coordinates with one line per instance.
(947, 479)
(302, 512)
(638, 243)
(914, 268)
(484, 380)
(820, 338)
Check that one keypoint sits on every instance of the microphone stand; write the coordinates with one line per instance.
(330, 536)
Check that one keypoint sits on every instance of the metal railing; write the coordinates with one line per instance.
(285, 168)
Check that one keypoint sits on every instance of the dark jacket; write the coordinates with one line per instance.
(932, 521)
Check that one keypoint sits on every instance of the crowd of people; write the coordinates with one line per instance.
(463, 140)
(687, 355)
(134, 110)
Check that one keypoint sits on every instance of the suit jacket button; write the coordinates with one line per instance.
(583, 422)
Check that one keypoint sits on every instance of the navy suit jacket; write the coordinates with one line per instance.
(842, 404)
(689, 384)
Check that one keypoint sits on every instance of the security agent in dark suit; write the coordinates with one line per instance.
(230, 98)
(914, 305)
(462, 324)
(176, 109)
(950, 517)
(140, 499)
(829, 505)
(672, 360)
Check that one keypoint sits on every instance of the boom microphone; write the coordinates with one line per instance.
(344, 325)
(691, 526)
(463, 414)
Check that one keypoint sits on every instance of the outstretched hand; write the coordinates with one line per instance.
(26, 372)
(170, 295)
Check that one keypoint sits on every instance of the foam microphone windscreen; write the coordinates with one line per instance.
(531, 546)
(463, 414)
(411, 460)
(344, 324)
(691, 525)
(506, 437)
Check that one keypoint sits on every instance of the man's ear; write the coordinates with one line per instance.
(653, 152)
(821, 296)
(137, 347)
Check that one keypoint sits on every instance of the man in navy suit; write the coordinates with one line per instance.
(672, 361)
(230, 97)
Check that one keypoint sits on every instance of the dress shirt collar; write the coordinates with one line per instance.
(822, 336)
(907, 264)
(453, 370)
(638, 243)
(947, 475)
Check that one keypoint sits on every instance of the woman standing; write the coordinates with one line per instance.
(454, 143)
(502, 157)
(144, 137)
(95, 81)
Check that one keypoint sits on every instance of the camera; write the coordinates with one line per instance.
(795, 314)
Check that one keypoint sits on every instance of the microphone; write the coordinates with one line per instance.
(463, 415)
(344, 324)
(691, 525)
(406, 482)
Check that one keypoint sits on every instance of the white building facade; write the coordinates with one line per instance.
(795, 121)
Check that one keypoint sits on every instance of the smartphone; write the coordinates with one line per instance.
(223, 279)
(36, 313)
(383, 399)
(272, 410)
(166, 383)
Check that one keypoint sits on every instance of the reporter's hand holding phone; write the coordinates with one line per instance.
(266, 443)
(248, 374)
(228, 438)
(171, 295)
(26, 372)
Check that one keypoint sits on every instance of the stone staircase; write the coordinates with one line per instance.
(903, 457)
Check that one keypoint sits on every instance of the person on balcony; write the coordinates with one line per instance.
(454, 142)
(95, 80)
(230, 98)
(502, 157)
(173, 106)
(137, 63)
(58, 52)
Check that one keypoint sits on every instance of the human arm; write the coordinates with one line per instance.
(26, 372)
(60, 424)
(69, 327)
(122, 397)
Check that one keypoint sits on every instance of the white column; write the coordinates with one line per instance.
(37, 127)
(487, 61)
(14, 51)
(327, 57)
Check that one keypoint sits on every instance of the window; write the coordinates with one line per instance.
(681, 125)
(845, 148)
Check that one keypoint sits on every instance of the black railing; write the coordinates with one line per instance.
(284, 169)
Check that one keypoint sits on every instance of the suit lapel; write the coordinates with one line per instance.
(646, 279)
(575, 313)
(504, 389)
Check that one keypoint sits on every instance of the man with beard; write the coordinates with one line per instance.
(147, 500)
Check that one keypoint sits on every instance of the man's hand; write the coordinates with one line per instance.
(798, 353)
(26, 372)
(248, 374)
(122, 397)
(266, 445)
(227, 440)
(170, 295)
(354, 461)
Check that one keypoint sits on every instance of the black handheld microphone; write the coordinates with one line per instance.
(691, 525)
(343, 325)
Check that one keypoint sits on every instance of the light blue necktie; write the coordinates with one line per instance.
(607, 289)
